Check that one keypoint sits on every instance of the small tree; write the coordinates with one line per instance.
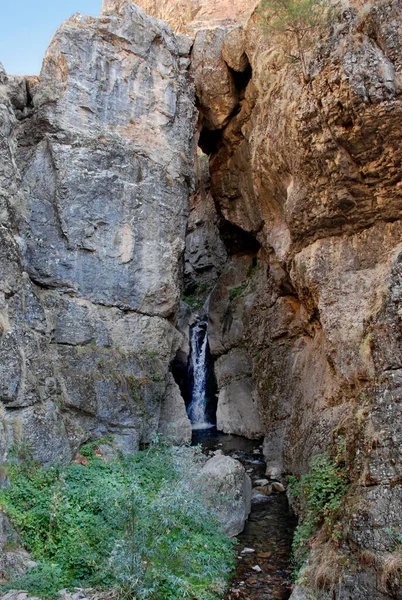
(296, 25)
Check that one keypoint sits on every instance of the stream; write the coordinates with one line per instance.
(263, 568)
(268, 530)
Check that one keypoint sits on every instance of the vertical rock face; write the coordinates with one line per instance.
(312, 175)
(96, 174)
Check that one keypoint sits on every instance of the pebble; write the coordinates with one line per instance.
(266, 490)
(247, 551)
(278, 487)
(257, 569)
(261, 482)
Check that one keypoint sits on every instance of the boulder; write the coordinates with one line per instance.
(174, 423)
(227, 488)
(14, 559)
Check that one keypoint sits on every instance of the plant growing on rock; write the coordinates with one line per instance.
(317, 495)
(295, 25)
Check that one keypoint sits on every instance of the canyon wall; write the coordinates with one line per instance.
(293, 236)
(96, 172)
(304, 318)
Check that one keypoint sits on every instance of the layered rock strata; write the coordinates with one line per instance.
(312, 174)
(96, 173)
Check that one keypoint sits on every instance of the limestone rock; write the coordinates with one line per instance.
(96, 173)
(215, 85)
(14, 559)
(226, 477)
(175, 424)
(311, 172)
(238, 410)
(233, 50)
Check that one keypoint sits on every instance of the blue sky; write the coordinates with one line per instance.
(27, 26)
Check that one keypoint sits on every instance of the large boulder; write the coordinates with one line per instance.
(227, 488)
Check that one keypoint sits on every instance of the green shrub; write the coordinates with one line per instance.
(130, 524)
(296, 25)
(196, 299)
(237, 291)
(318, 496)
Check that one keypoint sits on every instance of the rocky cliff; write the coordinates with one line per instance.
(96, 173)
(304, 321)
(294, 234)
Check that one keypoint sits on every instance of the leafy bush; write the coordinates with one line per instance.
(318, 495)
(131, 524)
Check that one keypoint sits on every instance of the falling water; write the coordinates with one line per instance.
(198, 404)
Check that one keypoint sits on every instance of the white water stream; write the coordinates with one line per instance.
(197, 407)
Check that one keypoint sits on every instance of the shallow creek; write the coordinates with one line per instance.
(268, 531)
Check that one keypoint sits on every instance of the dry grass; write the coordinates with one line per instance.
(391, 576)
(177, 14)
(329, 562)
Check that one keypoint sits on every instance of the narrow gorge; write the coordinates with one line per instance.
(194, 237)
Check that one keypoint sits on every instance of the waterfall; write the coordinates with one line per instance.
(197, 407)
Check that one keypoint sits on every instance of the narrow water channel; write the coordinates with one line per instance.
(263, 570)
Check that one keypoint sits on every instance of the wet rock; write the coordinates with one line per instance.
(174, 422)
(265, 490)
(260, 482)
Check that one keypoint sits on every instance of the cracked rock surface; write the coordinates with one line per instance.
(96, 171)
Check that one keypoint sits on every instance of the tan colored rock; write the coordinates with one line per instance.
(233, 50)
(215, 85)
(313, 172)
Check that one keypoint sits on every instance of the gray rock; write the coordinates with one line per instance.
(237, 410)
(14, 559)
(228, 488)
(174, 422)
(97, 171)
(260, 482)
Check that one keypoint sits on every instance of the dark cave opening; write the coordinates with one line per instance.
(210, 140)
(242, 78)
(237, 240)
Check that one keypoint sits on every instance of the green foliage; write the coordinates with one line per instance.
(252, 270)
(295, 24)
(130, 524)
(396, 537)
(318, 495)
(237, 291)
(196, 299)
